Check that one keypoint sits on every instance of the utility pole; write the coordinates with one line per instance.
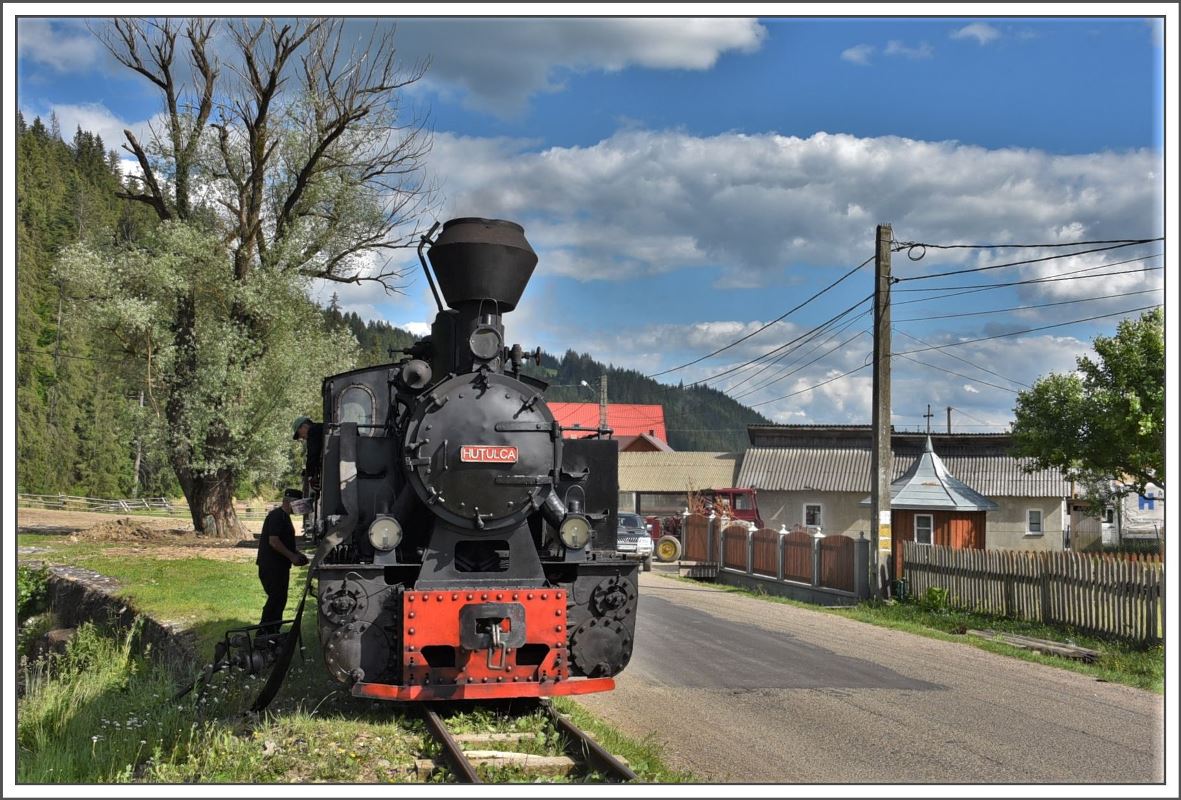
(602, 402)
(880, 462)
(927, 417)
(949, 419)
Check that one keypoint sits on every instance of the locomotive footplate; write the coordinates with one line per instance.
(483, 643)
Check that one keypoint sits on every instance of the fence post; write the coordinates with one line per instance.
(861, 567)
(779, 557)
(709, 539)
(750, 551)
(816, 537)
(1044, 578)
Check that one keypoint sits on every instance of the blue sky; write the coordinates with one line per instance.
(686, 181)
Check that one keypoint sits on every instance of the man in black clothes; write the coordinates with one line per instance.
(276, 553)
(313, 434)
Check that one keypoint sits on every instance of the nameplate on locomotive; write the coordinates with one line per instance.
(486, 454)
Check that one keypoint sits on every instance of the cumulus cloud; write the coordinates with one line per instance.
(858, 54)
(497, 64)
(649, 202)
(62, 45)
(982, 32)
(97, 118)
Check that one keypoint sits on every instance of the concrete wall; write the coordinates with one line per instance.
(840, 512)
(1006, 526)
(1008, 530)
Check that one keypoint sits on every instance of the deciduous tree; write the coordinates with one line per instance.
(284, 156)
(1107, 420)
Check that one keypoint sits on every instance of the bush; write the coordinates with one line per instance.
(935, 599)
(32, 591)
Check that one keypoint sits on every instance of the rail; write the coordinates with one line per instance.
(579, 747)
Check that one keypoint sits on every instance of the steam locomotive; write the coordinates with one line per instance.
(467, 550)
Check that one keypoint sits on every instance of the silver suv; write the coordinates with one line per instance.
(632, 536)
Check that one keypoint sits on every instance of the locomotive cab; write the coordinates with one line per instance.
(468, 549)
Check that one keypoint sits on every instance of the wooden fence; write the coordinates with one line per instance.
(1096, 595)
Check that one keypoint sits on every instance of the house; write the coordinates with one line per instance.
(1133, 517)
(637, 427)
(817, 475)
(658, 482)
(929, 505)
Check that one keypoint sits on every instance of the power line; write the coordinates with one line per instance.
(832, 334)
(982, 422)
(927, 245)
(810, 335)
(1028, 330)
(1027, 261)
(797, 369)
(810, 388)
(1068, 277)
(958, 374)
(774, 350)
(966, 361)
(768, 325)
(1024, 308)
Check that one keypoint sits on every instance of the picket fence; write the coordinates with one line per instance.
(1102, 596)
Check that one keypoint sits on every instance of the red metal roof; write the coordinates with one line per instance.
(625, 419)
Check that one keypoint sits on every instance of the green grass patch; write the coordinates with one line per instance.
(1142, 666)
(103, 712)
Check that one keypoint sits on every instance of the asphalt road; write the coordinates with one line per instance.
(739, 690)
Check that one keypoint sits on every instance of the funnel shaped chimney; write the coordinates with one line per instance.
(482, 259)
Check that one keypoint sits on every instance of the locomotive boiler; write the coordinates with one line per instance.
(467, 550)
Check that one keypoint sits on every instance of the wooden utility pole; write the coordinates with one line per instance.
(928, 417)
(880, 463)
(949, 419)
(602, 402)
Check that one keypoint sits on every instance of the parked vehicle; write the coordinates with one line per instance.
(735, 503)
(633, 536)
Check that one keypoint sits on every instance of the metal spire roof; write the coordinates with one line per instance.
(928, 485)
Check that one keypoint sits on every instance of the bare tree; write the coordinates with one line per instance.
(291, 143)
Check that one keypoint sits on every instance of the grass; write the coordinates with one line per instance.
(103, 712)
(1141, 666)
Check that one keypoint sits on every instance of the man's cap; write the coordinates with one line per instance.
(295, 426)
(292, 494)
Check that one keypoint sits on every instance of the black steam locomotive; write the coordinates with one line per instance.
(467, 550)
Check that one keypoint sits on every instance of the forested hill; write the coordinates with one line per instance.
(699, 418)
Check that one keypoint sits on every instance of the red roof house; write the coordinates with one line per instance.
(627, 420)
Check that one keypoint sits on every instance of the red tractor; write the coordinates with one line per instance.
(737, 504)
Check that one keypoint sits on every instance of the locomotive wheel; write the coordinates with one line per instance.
(668, 549)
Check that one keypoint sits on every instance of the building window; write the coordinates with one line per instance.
(1109, 515)
(813, 515)
(924, 529)
(356, 405)
(1034, 522)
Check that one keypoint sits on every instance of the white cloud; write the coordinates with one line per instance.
(982, 32)
(97, 118)
(922, 51)
(497, 64)
(62, 45)
(858, 54)
(417, 328)
(970, 389)
(645, 202)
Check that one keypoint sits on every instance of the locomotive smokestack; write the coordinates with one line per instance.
(482, 260)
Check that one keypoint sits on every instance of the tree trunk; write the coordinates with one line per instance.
(211, 503)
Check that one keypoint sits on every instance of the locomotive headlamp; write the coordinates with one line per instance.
(485, 343)
(575, 531)
(385, 533)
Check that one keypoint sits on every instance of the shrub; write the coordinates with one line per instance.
(32, 591)
(935, 599)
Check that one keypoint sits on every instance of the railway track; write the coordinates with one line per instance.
(582, 754)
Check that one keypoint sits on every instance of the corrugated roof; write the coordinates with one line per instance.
(675, 471)
(625, 419)
(846, 469)
(929, 485)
